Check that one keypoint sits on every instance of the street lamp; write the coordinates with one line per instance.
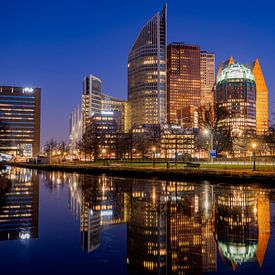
(209, 133)
(254, 146)
(154, 155)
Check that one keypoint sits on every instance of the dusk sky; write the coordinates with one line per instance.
(53, 44)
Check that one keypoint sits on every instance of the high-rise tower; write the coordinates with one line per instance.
(207, 78)
(91, 98)
(147, 73)
(261, 98)
(183, 78)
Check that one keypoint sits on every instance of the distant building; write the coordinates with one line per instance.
(236, 92)
(93, 103)
(147, 73)
(111, 104)
(20, 112)
(76, 128)
(91, 97)
(207, 67)
(183, 78)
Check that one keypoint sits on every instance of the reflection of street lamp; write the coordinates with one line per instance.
(209, 133)
(254, 146)
(154, 155)
(104, 155)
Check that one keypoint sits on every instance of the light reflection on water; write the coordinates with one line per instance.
(171, 227)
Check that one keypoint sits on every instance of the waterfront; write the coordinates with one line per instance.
(63, 223)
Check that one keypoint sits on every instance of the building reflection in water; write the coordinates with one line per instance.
(242, 222)
(174, 227)
(19, 206)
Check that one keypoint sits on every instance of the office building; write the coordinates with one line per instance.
(75, 128)
(91, 97)
(147, 73)
(236, 92)
(207, 67)
(113, 104)
(261, 98)
(183, 78)
(20, 113)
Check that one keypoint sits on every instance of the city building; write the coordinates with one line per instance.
(94, 103)
(101, 134)
(236, 92)
(188, 117)
(20, 113)
(111, 104)
(262, 112)
(91, 98)
(183, 78)
(75, 128)
(207, 67)
(147, 73)
(177, 142)
(261, 98)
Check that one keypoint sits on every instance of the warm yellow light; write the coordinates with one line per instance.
(154, 149)
(254, 145)
(206, 132)
(103, 151)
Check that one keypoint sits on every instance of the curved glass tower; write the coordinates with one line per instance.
(236, 92)
(147, 73)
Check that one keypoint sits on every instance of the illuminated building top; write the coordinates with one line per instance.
(235, 71)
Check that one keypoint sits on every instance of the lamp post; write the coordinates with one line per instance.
(254, 146)
(154, 155)
(209, 132)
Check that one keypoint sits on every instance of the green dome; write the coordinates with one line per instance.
(238, 252)
(235, 71)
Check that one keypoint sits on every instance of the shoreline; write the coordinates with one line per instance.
(210, 174)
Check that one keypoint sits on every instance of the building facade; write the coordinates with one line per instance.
(261, 98)
(207, 67)
(147, 73)
(113, 104)
(91, 97)
(236, 93)
(20, 113)
(183, 78)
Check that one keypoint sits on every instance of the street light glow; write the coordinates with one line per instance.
(206, 132)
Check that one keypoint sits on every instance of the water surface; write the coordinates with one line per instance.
(62, 223)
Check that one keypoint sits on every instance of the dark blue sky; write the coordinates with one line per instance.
(52, 44)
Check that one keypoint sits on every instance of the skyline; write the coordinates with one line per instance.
(74, 50)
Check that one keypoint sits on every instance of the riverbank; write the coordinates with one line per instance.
(122, 170)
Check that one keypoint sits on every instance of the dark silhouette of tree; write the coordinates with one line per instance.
(50, 146)
(211, 119)
(3, 136)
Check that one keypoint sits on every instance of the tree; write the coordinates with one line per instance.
(50, 146)
(211, 119)
(3, 136)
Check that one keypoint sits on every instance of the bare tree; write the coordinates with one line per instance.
(50, 146)
(3, 136)
(211, 119)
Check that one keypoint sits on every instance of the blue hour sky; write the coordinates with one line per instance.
(52, 44)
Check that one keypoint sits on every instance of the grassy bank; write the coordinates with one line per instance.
(141, 170)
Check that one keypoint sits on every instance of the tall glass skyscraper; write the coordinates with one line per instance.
(147, 73)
